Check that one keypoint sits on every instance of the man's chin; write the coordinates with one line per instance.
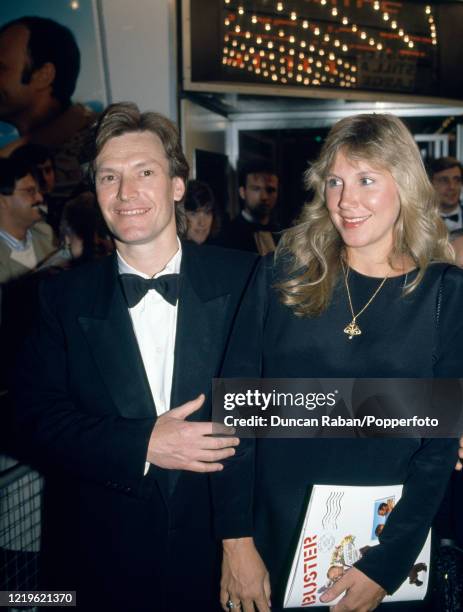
(133, 239)
(448, 209)
(261, 212)
(38, 216)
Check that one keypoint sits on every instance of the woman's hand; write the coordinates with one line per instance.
(362, 593)
(245, 580)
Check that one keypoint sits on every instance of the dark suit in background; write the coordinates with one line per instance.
(246, 235)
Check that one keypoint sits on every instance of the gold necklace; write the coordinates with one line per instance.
(353, 329)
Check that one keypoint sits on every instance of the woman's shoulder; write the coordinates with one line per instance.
(446, 274)
(447, 280)
(281, 267)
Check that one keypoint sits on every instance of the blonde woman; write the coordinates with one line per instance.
(362, 286)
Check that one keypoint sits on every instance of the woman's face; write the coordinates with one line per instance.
(363, 203)
(74, 244)
(199, 224)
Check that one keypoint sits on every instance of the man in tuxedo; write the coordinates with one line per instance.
(111, 388)
(446, 175)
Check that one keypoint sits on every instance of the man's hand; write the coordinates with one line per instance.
(362, 593)
(459, 465)
(177, 444)
(245, 579)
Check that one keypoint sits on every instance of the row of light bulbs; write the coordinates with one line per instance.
(299, 78)
(303, 68)
(262, 44)
(272, 41)
(283, 58)
(344, 20)
(249, 50)
(387, 19)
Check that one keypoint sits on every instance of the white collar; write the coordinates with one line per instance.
(454, 211)
(14, 243)
(171, 267)
(247, 215)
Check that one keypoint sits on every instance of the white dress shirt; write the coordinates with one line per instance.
(154, 322)
(22, 251)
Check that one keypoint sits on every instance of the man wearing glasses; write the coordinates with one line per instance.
(446, 176)
(25, 240)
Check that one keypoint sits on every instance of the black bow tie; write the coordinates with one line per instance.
(135, 287)
(454, 217)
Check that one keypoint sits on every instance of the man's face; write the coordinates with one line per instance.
(24, 203)
(47, 175)
(260, 194)
(135, 191)
(15, 97)
(447, 183)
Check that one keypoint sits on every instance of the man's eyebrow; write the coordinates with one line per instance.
(140, 164)
(105, 169)
(146, 162)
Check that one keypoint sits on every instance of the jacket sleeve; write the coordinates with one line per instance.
(53, 432)
(232, 488)
(432, 465)
(407, 527)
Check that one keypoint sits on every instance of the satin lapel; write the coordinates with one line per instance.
(112, 342)
(198, 344)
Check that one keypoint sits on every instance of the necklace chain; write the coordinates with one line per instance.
(352, 329)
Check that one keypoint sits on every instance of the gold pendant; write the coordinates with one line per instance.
(352, 329)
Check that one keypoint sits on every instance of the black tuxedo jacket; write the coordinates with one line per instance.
(85, 413)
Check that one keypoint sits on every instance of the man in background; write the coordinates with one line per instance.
(39, 66)
(254, 229)
(42, 159)
(25, 240)
(446, 176)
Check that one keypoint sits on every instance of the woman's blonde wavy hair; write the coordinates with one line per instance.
(311, 250)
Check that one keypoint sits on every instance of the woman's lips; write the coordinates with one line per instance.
(352, 222)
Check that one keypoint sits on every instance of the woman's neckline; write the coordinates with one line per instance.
(390, 276)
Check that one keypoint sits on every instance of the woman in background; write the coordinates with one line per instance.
(361, 287)
(83, 234)
(201, 213)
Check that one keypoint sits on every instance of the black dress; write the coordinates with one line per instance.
(402, 337)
